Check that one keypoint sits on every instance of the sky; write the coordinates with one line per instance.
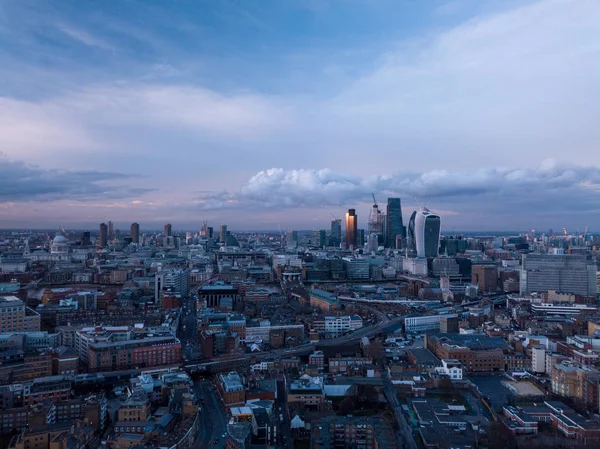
(263, 114)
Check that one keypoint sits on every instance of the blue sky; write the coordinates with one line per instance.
(260, 113)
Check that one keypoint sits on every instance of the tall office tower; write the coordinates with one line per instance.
(568, 273)
(134, 230)
(86, 240)
(167, 231)
(111, 231)
(427, 233)
(410, 234)
(351, 228)
(319, 238)
(336, 232)
(395, 226)
(209, 232)
(377, 223)
(372, 243)
(223, 233)
(360, 238)
(204, 229)
(103, 235)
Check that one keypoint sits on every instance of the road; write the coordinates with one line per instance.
(285, 433)
(214, 420)
(187, 333)
(408, 440)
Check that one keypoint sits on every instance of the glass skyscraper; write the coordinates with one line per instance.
(351, 228)
(395, 226)
(336, 232)
(427, 233)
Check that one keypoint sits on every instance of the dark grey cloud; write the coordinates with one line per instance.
(21, 182)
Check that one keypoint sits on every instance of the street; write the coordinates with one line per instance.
(406, 432)
(213, 419)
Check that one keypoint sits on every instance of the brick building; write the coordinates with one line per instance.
(485, 277)
(144, 352)
(231, 389)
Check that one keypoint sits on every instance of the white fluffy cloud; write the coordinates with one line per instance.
(279, 188)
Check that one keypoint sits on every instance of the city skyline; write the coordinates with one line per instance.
(229, 113)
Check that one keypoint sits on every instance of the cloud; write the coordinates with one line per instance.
(84, 37)
(491, 189)
(91, 119)
(20, 182)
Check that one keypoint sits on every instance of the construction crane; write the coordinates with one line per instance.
(374, 200)
(585, 234)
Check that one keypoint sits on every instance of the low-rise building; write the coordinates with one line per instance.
(231, 389)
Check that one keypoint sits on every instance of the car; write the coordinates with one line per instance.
(216, 441)
(224, 435)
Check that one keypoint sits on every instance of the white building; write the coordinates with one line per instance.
(451, 368)
(415, 266)
(538, 359)
(336, 325)
(422, 323)
(427, 233)
(177, 280)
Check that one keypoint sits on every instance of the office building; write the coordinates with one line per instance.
(15, 317)
(568, 273)
(323, 300)
(422, 323)
(449, 324)
(292, 239)
(135, 233)
(103, 235)
(360, 238)
(538, 358)
(336, 232)
(352, 432)
(223, 234)
(219, 295)
(351, 229)
(319, 238)
(231, 388)
(167, 230)
(111, 231)
(336, 325)
(143, 352)
(485, 277)
(85, 239)
(372, 243)
(427, 228)
(395, 227)
(356, 269)
(377, 223)
(410, 243)
(176, 281)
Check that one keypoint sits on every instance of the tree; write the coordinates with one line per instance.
(347, 406)
(500, 437)
(367, 393)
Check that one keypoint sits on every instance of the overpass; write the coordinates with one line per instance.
(222, 364)
(409, 302)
